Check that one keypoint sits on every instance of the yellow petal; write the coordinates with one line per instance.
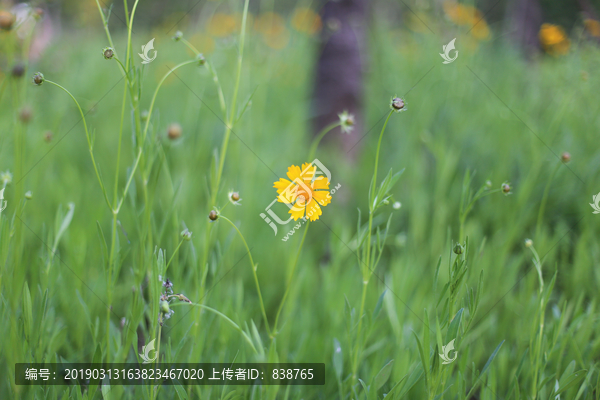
(322, 197)
(294, 172)
(320, 182)
(297, 210)
(313, 211)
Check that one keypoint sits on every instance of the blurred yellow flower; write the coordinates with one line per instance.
(279, 41)
(554, 39)
(592, 26)
(221, 25)
(480, 30)
(304, 193)
(269, 24)
(462, 14)
(465, 15)
(306, 20)
(204, 43)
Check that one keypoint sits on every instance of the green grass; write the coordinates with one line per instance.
(479, 116)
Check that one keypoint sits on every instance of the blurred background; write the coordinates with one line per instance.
(519, 105)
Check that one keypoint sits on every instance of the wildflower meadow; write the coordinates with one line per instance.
(342, 200)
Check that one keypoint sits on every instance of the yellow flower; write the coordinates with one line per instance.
(306, 20)
(554, 39)
(481, 30)
(592, 26)
(269, 24)
(304, 193)
(222, 25)
(462, 14)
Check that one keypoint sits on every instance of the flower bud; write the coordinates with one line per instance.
(565, 157)
(212, 215)
(28, 195)
(505, 188)
(397, 104)
(488, 184)
(186, 235)
(18, 70)
(108, 53)
(174, 131)
(235, 196)
(397, 205)
(528, 242)
(458, 249)
(25, 114)
(200, 58)
(38, 78)
(144, 115)
(164, 307)
(48, 136)
(178, 35)
(7, 20)
(38, 13)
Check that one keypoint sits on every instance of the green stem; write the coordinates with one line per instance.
(262, 304)
(290, 278)
(214, 76)
(317, 139)
(155, 393)
(367, 261)
(538, 225)
(175, 252)
(89, 140)
(225, 317)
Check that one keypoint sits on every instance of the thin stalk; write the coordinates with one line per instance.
(538, 225)
(367, 261)
(225, 317)
(154, 394)
(290, 278)
(88, 137)
(175, 252)
(319, 137)
(214, 76)
(262, 304)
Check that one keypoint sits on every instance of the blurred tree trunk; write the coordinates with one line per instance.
(339, 69)
(525, 20)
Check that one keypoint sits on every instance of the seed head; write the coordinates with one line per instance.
(458, 249)
(164, 307)
(565, 157)
(7, 20)
(186, 235)
(178, 35)
(397, 104)
(528, 243)
(25, 114)
(38, 78)
(201, 60)
(505, 188)
(18, 70)
(108, 53)
(48, 136)
(212, 215)
(5, 178)
(347, 122)
(174, 131)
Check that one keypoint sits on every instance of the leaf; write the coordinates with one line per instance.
(378, 305)
(570, 380)
(105, 389)
(181, 393)
(485, 368)
(103, 244)
(338, 359)
(97, 359)
(452, 332)
(424, 360)
(27, 313)
(383, 375)
(365, 387)
(64, 225)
